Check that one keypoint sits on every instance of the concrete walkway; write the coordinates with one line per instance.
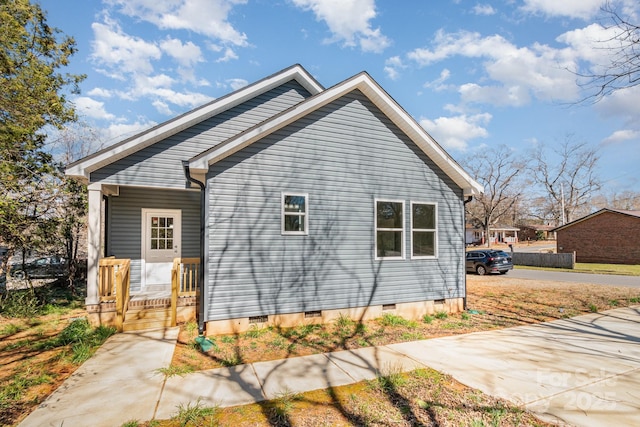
(119, 383)
(581, 371)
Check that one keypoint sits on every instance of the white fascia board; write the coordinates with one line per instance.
(84, 167)
(378, 96)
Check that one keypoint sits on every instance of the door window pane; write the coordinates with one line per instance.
(161, 233)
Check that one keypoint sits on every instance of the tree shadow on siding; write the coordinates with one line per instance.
(269, 273)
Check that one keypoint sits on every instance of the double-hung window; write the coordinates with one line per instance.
(389, 229)
(295, 219)
(424, 238)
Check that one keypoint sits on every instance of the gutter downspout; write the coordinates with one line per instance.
(187, 174)
(464, 217)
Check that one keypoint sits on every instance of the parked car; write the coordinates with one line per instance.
(40, 268)
(483, 261)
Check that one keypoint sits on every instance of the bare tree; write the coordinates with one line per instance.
(623, 47)
(499, 171)
(71, 143)
(569, 180)
(626, 200)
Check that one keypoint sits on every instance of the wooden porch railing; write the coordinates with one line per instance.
(185, 275)
(114, 277)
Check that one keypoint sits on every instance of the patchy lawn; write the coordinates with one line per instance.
(493, 302)
(423, 397)
(44, 338)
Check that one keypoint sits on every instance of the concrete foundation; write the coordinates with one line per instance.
(409, 311)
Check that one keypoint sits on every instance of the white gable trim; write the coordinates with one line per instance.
(84, 167)
(378, 96)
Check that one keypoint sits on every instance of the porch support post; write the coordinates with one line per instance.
(94, 243)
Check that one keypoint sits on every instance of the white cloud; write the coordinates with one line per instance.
(582, 9)
(484, 9)
(593, 43)
(100, 92)
(455, 132)
(514, 96)
(206, 17)
(621, 136)
(237, 83)
(520, 72)
(182, 99)
(622, 104)
(392, 66)
(91, 108)
(438, 84)
(229, 54)
(120, 52)
(120, 131)
(162, 107)
(186, 54)
(349, 22)
(159, 88)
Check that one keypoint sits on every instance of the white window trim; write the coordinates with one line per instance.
(435, 230)
(305, 214)
(376, 229)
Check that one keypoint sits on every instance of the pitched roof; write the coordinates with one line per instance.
(635, 214)
(86, 165)
(378, 96)
(319, 98)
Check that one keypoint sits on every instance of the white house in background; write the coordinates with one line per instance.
(497, 234)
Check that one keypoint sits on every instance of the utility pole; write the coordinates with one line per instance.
(564, 217)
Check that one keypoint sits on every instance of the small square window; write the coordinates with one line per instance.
(295, 215)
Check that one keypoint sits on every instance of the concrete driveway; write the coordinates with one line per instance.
(566, 276)
(582, 371)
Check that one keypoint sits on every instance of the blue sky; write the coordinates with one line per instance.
(474, 74)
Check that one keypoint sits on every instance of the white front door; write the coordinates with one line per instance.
(161, 243)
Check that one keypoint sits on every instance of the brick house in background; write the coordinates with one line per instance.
(610, 236)
(536, 232)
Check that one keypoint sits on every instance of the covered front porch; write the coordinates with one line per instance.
(143, 269)
(135, 310)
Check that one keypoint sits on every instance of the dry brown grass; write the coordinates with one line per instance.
(424, 397)
(496, 301)
(29, 369)
(420, 398)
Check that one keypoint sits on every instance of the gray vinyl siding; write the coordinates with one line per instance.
(125, 223)
(160, 164)
(344, 156)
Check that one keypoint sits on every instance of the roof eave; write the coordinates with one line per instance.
(83, 167)
(379, 97)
